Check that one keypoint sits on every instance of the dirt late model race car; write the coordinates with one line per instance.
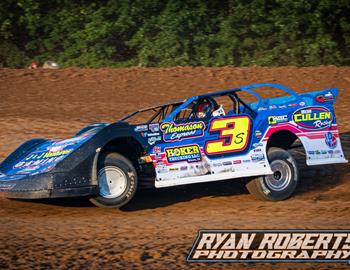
(210, 137)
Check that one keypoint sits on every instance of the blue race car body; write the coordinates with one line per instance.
(182, 144)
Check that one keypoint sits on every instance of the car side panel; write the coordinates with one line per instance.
(222, 148)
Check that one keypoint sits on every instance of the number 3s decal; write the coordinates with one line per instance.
(233, 137)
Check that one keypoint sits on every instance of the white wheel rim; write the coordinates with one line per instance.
(112, 182)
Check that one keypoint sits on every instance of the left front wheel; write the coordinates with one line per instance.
(117, 181)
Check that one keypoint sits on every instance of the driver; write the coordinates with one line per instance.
(205, 109)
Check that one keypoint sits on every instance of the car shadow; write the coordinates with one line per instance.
(314, 178)
(64, 202)
(155, 198)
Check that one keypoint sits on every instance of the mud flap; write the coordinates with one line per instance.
(325, 148)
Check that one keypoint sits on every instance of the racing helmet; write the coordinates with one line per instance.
(204, 109)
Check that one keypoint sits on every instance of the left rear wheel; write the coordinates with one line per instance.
(117, 181)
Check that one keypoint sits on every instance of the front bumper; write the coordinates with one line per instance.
(44, 186)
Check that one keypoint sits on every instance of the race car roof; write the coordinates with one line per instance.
(247, 88)
(175, 102)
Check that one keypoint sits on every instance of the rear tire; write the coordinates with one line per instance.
(117, 181)
(282, 183)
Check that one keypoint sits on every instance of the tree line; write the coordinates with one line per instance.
(175, 33)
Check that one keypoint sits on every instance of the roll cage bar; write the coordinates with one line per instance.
(163, 110)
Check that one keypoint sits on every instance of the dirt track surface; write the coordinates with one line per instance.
(157, 229)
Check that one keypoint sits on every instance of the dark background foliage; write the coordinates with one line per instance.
(175, 33)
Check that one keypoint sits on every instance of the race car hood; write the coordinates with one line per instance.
(40, 155)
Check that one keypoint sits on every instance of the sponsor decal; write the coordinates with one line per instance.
(189, 153)
(183, 168)
(162, 170)
(36, 163)
(46, 155)
(217, 164)
(57, 154)
(273, 120)
(282, 106)
(153, 140)
(329, 96)
(173, 169)
(271, 246)
(293, 104)
(237, 161)
(154, 127)
(157, 149)
(262, 109)
(161, 164)
(153, 134)
(313, 118)
(258, 134)
(324, 98)
(330, 140)
(28, 170)
(55, 148)
(257, 144)
(141, 128)
(257, 157)
(246, 160)
(227, 163)
(178, 132)
(224, 170)
(302, 103)
(68, 142)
